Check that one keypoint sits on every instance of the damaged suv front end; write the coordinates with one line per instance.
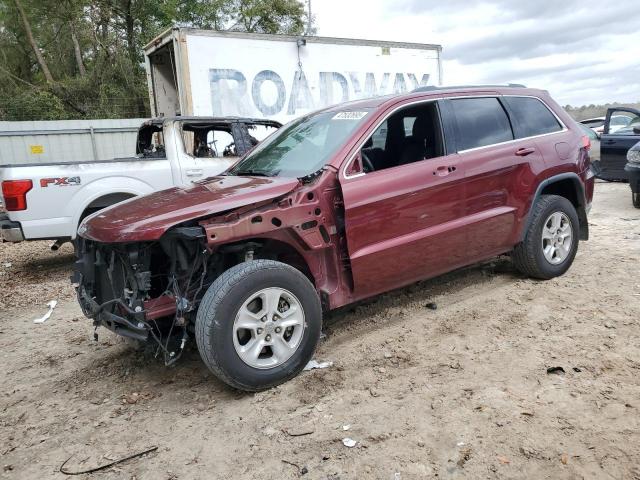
(144, 279)
(129, 287)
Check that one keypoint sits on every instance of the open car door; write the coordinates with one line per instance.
(621, 132)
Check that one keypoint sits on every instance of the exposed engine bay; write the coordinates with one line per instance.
(146, 291)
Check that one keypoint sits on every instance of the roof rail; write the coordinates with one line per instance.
(432, 88)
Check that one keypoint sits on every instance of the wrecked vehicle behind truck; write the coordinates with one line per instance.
(49, 200)
(338, 206)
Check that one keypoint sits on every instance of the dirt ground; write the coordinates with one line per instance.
(458, 392)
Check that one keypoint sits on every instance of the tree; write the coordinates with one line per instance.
(270, 16)
(83, 58)
(32, 42)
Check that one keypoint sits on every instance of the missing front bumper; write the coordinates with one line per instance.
(104, 315)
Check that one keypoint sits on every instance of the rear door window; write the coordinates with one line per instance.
(531, 117)
(480, 122)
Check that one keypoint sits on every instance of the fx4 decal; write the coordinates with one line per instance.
(60, 182)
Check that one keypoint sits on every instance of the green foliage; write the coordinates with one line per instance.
(30, 104)
(93, 49)
(268, 16)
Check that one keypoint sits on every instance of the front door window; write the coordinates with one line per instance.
(410, 135)
(622, 122)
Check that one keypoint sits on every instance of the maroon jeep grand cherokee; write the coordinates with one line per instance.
(337, 206)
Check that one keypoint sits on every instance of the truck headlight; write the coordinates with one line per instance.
(633, 156)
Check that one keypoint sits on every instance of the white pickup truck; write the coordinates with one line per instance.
(48, 201)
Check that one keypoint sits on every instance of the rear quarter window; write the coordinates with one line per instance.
(480, 122)
(531, 117)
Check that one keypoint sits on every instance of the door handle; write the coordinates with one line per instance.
(444, 170)
(195, 172)
(609, 142)
(523, 152)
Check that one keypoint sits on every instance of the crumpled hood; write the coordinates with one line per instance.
(147, 218)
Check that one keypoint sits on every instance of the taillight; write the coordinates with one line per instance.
(586, 142)
(15, 194)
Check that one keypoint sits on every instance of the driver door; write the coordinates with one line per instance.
(404, 222)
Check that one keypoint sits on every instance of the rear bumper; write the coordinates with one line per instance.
(10, 231)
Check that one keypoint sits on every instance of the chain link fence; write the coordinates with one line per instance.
(49, 107)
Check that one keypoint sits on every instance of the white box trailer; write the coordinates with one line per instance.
(211, 73)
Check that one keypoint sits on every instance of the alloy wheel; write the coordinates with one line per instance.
(268, 328)
(557, 238)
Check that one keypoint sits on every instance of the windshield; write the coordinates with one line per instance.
(302, 147)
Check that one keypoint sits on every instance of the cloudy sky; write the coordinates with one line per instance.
(582, 51)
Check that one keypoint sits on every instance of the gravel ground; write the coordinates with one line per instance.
(458, 392)
(31, 274)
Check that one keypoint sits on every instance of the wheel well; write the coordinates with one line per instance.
(564, 188)
(570, 189)
(104, 201)
(269, 249)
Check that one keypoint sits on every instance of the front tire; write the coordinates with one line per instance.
(258, 324)
(551, 240)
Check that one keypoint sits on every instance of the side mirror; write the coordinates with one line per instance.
(636, 130)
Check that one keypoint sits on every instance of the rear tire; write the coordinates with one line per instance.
(551, 240)
(258, 324)
(635, 198)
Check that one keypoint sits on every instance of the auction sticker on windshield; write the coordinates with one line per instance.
(349, 116)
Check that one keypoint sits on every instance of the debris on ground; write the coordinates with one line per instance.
(465, 455)
(432, 306)
(52, 304)
(301, 470)
(313, 364)
(349, 442)
(105, 466)
(555, 370)
(299, 432)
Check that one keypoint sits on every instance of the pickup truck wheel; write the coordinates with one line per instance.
(635, 197)
(258, 324)
(551, 240)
